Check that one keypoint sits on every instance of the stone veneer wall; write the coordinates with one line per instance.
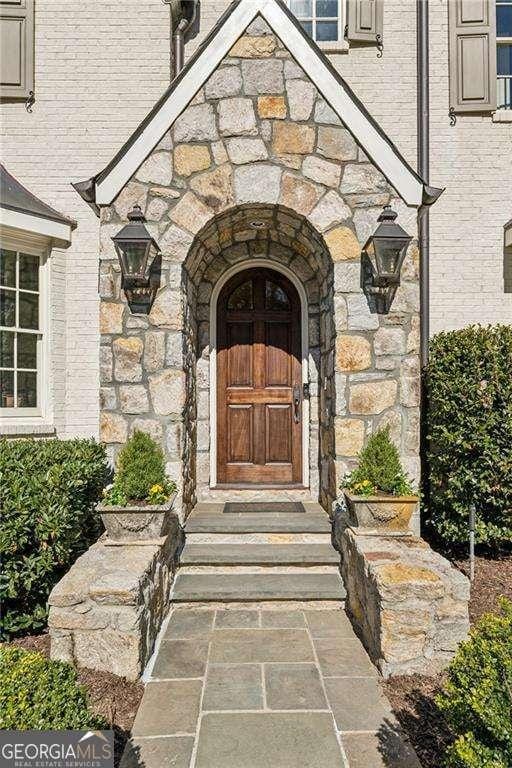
(408, 604)
(107, 610)
(258, 137)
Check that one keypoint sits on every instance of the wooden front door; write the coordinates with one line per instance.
(259, 380)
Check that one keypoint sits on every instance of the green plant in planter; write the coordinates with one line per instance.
(379, 470)
(140, 474)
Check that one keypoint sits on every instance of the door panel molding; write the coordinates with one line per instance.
(235, 269)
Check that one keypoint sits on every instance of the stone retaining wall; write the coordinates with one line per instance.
(408, 604)
(106, 612)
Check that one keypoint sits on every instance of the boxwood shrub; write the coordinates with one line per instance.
(477, 698)
(48, 491)
(39, 694)
(469, 388)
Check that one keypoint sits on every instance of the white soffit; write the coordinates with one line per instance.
(380, 150)
(55, 232)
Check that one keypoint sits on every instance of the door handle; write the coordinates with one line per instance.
(296, 403)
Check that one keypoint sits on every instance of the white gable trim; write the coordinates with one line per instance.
(380, 151)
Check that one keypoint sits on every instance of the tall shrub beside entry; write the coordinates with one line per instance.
(469, 384)
(48, 492)
(477, 698)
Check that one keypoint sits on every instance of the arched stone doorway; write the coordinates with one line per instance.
(266, 237)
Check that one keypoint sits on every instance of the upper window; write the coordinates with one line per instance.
(322, 19)
(504, 51)
(20, 334)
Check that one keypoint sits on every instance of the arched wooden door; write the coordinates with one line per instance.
(259, 380)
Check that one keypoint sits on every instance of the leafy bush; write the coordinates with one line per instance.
(39, 694)
(469, 381)
(48, 491)
(477, 699)
(379, 469)
(140, 473)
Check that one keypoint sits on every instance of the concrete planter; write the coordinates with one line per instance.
(381, 513)
(137, 523)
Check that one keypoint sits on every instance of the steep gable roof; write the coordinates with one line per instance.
(105, 186)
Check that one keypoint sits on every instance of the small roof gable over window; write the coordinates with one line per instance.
(22, 212)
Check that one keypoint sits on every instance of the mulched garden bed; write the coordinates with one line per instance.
(412, 697)
(113, 697)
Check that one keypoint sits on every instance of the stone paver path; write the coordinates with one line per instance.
(264, 689)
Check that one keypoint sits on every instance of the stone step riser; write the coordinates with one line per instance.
(271, 568)
(251, 587)
(250, 523)
(265, 605)
(259, 538)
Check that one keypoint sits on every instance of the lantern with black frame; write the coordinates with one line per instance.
(381, 261)
(137, 251)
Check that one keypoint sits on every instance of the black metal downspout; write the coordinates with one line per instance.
(422, 18)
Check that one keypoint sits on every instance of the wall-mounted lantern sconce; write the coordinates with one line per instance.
(382, 259)
(136, 251)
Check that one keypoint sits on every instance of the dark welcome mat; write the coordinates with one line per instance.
(258, 507)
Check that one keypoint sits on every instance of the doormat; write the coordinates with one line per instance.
(259, 507)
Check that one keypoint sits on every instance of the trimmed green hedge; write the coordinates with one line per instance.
(39, 694)
(477, 698)
(469, 385)
(48, 492)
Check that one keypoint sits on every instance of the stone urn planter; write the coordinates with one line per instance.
(381, 513)
(138, 523)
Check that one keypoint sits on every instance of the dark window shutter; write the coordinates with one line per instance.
(472, 55)
(365, 21)
(17, 48)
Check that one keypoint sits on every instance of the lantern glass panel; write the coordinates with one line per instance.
(134, 257)
(388, 256)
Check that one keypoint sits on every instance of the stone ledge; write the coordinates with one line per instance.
(27, 430)
(106, 612)
(407, 603)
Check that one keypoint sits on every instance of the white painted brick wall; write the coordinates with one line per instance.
(100, 67)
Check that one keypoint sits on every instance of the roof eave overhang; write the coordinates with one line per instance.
(104, 188)
(53, 233)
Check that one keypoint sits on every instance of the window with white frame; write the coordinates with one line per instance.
(21, 333)
(504, 52)
(321, 19)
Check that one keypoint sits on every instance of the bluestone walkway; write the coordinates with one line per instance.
(264, 689)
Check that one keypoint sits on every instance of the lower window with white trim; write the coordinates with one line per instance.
(21, 333)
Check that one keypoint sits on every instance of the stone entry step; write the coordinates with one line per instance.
(259, 554)
(256, 587)
(286, 522)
